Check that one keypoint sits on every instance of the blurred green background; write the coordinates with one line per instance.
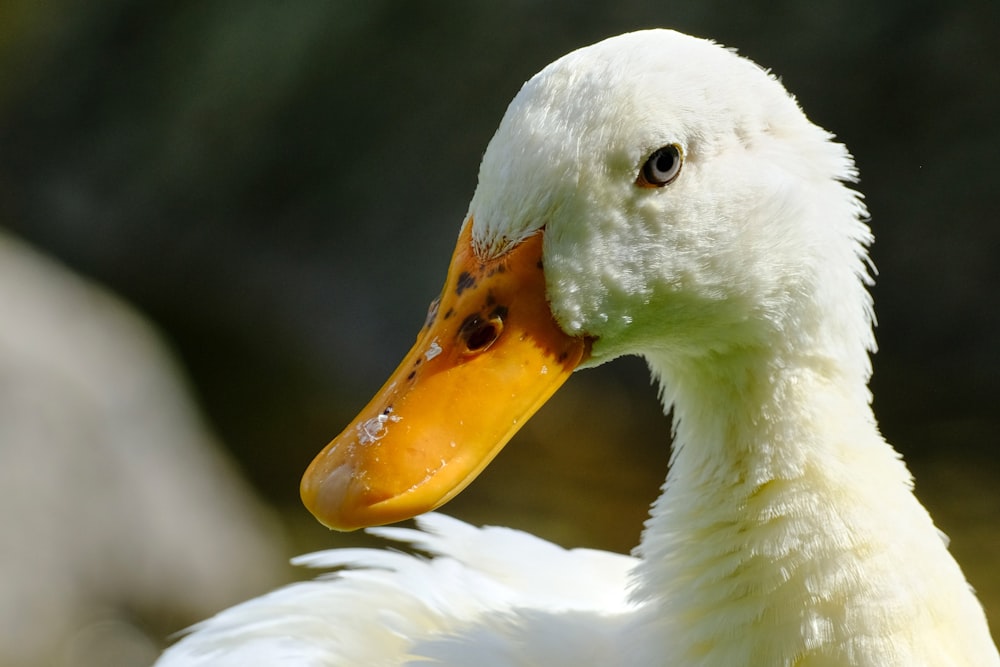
(278, 186)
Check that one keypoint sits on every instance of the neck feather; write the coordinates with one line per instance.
(787, 525)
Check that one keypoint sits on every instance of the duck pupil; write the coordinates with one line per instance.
(664, 162)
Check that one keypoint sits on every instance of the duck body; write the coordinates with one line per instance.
(685, 210)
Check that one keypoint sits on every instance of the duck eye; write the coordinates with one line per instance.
(661, 167)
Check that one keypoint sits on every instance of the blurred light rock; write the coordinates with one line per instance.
(119, 513)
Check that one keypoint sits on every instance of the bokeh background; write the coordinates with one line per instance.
(277, 186)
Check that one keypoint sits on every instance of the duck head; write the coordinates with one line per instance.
(652, 194)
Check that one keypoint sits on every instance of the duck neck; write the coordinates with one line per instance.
(751, 419)
(785, 518)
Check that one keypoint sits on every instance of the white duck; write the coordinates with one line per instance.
(653, 194)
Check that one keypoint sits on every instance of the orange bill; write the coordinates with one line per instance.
(488, 357)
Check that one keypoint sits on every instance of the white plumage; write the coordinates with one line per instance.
(787, 532)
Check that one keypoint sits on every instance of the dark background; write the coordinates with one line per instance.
(278, 187)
